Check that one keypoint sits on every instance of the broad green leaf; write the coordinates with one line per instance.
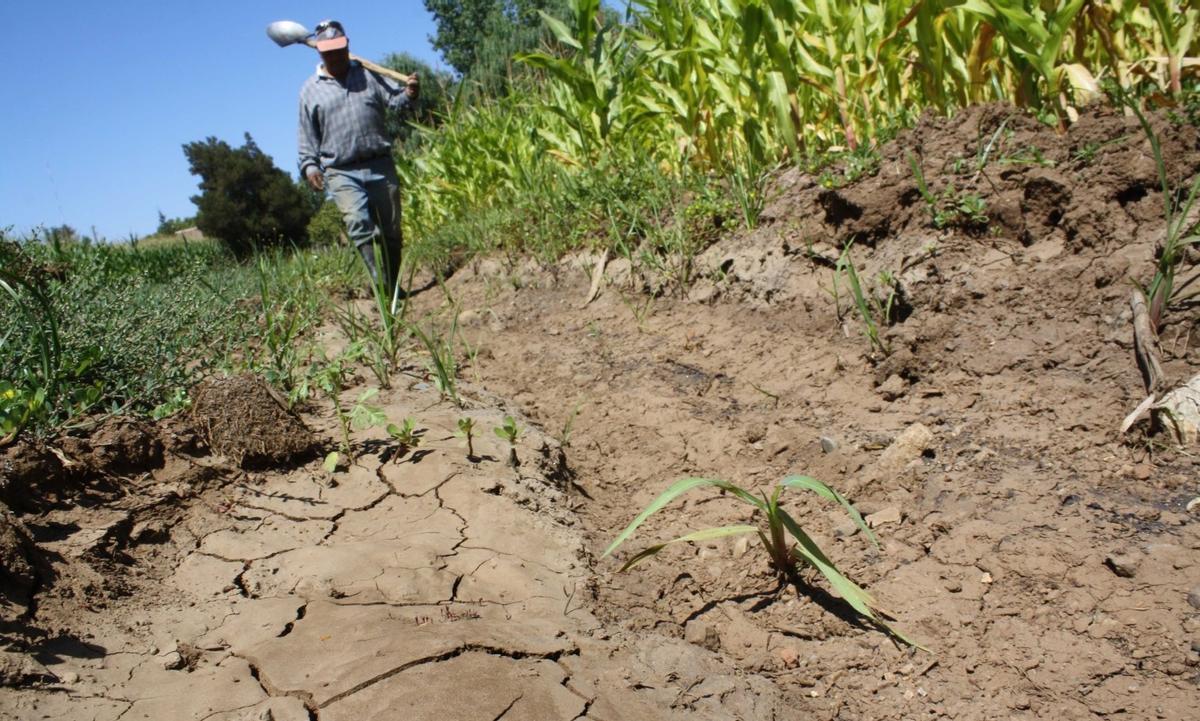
(561, 32)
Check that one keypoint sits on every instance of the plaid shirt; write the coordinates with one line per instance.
(343, 124)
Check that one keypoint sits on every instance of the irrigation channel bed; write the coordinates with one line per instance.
(1046, 562)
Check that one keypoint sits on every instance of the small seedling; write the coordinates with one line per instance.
(564, 436)
(509, 432)
(466, 430)
(405, 434)
(786, 558)
(363, 415)
(441, 361)
(872, 315)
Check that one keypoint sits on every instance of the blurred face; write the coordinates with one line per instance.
(337, 62)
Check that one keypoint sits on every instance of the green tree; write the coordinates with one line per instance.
(244, 199)
(479, 37)
(170, 226)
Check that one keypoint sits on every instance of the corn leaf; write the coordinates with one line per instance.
(821, 489)
(705, 535)
(676, 490)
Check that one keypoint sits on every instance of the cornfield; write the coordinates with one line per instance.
(734, 87)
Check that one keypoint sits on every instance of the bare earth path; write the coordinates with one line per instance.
(426, 588)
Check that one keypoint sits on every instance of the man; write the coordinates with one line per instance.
(344, 148)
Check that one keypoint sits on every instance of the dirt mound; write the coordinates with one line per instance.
(31, 475)
(117, 446)
(989, 174)
(243, 418)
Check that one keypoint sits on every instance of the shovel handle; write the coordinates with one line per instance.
(399, 77)
(373, 67)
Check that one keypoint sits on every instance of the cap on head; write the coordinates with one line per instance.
(330, 35)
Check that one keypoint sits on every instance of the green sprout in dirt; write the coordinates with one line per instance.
(950, 207)
(787, 556)
(510, 432)
(406, 435)
(1182, 231)
(466, 431)
(361, 416)
(383, 340)
(441, 362)
(872, 311)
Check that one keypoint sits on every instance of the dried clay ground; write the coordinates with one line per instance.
(1047, 564)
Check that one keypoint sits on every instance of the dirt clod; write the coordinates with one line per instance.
(244, 419)
(121, 446)
(19, 561)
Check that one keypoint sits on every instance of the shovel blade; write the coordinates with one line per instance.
(286, 32)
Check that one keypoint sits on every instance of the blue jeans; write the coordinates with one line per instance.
(368, 195)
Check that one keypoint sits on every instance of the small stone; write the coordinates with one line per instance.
(828, 445)
(1142, 471)
(788, 657)
(741, 546)
(149, 532)
(986, 579)
(916, 441)
(891, 514)
(845, 529)
(702, 634)
(70, 677)
(1193, 504)
(892, 388)
(952, 586)
(1193, 598)
(172, 661)
(1121, 564)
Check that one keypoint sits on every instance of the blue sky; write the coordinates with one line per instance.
(102, 95)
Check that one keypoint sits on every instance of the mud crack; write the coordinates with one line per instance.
(446, 656)
(304, 696)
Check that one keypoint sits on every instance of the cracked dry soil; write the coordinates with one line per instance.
(1048, 564)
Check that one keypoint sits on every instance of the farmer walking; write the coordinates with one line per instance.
(345, 149)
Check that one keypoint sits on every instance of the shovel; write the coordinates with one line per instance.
(286, 32)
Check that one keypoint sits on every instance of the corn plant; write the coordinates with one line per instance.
(1182, 231)
(785, 555)
(872, 313)
(442, 362)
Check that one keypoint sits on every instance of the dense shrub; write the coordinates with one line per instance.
(244, 199)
